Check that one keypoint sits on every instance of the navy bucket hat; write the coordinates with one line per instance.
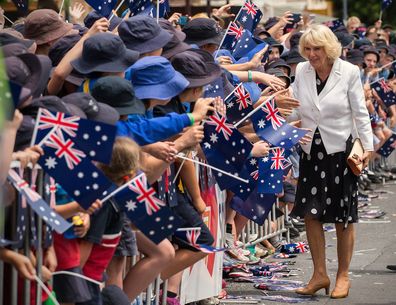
(104, 52)
(153, 77)
(143, 34)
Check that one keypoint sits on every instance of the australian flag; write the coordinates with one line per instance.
(271, 170)
(388, 147)
(163, 9)
(256, 207)
(384, 91)
(138, 7)
(94, 138)
(334, 24)
(214, 89)
(249, 172)
(238, 103)
(244, 45)
(22, 6)
(293, 248)
(385, 4)
(103, 7)
(191, 235)
(224, 148)
(233, 34)
(151, 215)
(272, 127)
(37, 204)
(249, 16)
(73, 170)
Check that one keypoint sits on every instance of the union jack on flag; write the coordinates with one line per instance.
(238, 104)
(273, 114)
(59, 121)
(233, 33)
(221, 125)
(65, 149)
(191, 235)
(384, 91)
(37, 203)
(278, 159)
(249, 16)
(146, 194)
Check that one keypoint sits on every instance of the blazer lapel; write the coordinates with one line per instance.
(311, 85)
(334, 78)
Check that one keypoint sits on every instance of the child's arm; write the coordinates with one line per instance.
(20, 262)
(72, 208)
(189, 178)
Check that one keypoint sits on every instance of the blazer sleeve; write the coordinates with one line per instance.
(359, 109)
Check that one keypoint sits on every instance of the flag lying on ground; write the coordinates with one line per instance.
(249, 16)
(37, 204)
(384, 91)
(94, 138)
(293, 248)
(238, 104)
(388, 147)
(271, 170)
(191, 235)
(256, 207)
(103, 7)
(272, 127)
(148, 213)
(73, 170)
(225, 148)
(214, 89)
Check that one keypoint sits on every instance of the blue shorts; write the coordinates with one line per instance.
(191, 218)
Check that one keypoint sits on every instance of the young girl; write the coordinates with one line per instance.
(123, 167)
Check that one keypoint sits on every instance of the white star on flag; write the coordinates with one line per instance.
(265, 159)
(253, 162)
(131, 205)
(213, 138)
(230, 105)
(207, 145)
(50, 162)
(261, 124)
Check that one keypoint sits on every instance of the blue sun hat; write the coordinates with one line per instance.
(153, 77)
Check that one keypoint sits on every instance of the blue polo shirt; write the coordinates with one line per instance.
(144, 129)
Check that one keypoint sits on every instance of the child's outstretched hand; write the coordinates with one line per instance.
(94, 207)
(81, 231)
(20, 262)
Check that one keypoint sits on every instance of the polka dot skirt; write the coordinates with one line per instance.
(327, 188)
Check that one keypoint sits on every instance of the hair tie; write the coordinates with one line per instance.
(126, 178)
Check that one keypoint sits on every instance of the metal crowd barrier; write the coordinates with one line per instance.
(265, 231)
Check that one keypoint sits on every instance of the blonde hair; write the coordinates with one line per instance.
(319, 35)
(124, 160)
(200, 15)
(353, 20)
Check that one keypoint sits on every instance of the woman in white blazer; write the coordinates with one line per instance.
(332, 105)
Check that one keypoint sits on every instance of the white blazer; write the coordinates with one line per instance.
(336, 110)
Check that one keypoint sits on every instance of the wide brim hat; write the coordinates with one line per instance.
(211, 40)
(139, 41)
(213, 70)
(162, 91)
(103, 91)
(7, 38)
(371, 50)
(116, 65)
(177, 48)
(39, 67)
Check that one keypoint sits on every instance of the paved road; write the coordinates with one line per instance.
(375, 248)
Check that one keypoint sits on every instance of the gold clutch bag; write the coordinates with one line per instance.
(355, 157)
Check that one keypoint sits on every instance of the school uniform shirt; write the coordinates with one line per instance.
(146, 131)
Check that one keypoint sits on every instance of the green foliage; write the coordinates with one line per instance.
(367, 10)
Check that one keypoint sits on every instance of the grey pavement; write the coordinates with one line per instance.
(375, 248)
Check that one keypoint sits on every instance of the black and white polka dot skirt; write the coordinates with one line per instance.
(327, 188)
